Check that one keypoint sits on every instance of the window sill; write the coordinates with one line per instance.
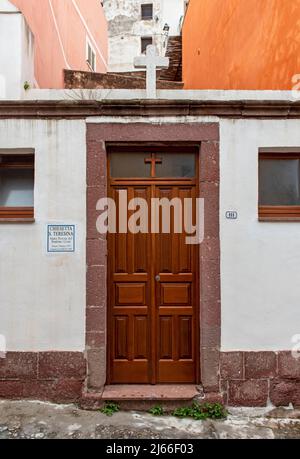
(279, 214)
(17, 220)
(279, 219)
(16, 214)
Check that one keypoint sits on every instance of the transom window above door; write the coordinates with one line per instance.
(151, 164)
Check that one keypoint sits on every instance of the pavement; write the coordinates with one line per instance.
(38, 420)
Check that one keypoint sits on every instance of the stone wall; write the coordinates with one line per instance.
(259, 378)
(51, 376)
(88, 80)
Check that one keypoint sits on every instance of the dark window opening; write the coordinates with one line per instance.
(147, 12)
(146, 41)
(91, 58)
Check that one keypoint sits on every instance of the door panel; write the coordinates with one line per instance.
(165, 337)
(176, 296)
(141, 331)
(130, 294)
(121, 333)
(130, 300)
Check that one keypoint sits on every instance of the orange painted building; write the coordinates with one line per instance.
(241, 44)
(63, 30)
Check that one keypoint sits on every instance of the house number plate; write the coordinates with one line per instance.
(231, 215)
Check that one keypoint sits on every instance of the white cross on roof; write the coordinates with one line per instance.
(151, 61)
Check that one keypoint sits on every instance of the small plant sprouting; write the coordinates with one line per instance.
(110, 408)
(215, 410)
(27, 86)
(157, 410)
(184, 412)
(201, 412)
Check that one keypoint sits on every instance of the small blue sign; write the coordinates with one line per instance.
(61, 238)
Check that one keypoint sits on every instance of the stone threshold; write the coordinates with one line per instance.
(158, 392)
(142, 397)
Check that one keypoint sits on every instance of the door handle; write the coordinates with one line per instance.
(157, 278)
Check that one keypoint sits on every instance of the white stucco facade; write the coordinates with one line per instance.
(260, 261)
(16, 52)
(126, 28)
(42, 296)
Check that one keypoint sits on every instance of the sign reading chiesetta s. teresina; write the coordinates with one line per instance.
(60, 238)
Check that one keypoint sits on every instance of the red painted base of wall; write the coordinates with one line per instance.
(52, 376)
(246, 378)
(256, 378)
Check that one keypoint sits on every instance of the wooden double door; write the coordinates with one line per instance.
(153, 276)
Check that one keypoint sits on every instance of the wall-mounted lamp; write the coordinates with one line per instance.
(166, 31)
(166, 28)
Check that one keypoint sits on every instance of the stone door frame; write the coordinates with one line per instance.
(207, 136)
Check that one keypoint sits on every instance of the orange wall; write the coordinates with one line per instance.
(241, 44)
(52, 54)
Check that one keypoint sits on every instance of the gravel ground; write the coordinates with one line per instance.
(36, 420)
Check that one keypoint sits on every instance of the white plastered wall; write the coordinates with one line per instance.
(16, 52)
(42, 296)
(260, 261)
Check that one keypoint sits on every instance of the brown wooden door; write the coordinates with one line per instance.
(176, 298)
(153, 290)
